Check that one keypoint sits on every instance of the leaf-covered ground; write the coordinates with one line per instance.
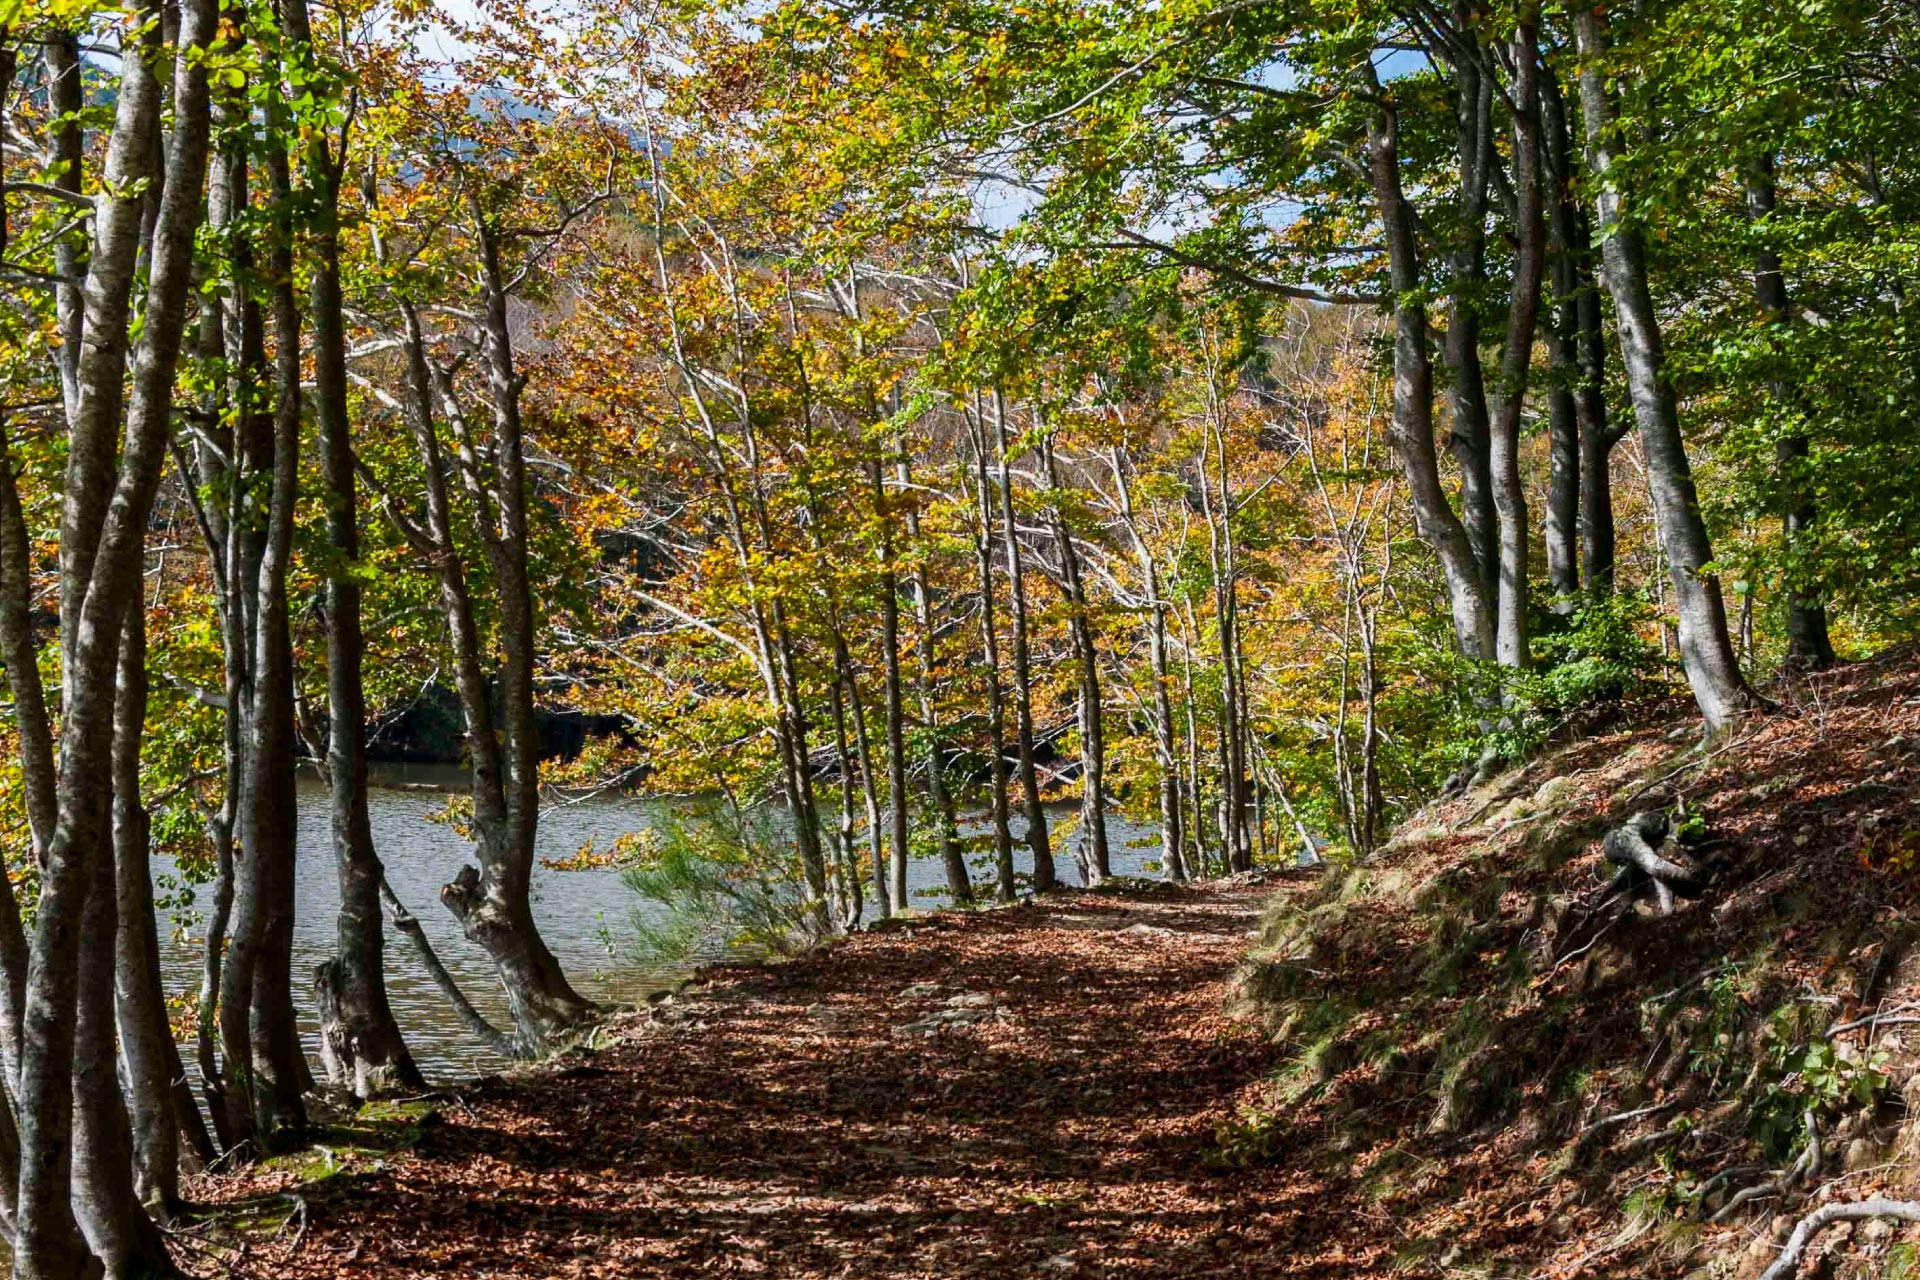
(1454, 1064)
(1022, 1092)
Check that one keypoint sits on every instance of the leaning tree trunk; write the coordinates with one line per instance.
(1038, 842)
(1808, 644)
(492, 901)
(1706, 648)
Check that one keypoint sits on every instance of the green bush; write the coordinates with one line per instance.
(720, 877)
(1596, 655)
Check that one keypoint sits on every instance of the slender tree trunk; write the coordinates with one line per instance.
(1037, 838)
(1469, 439)
(140, 1000)
(1809, 647)
(996, 703)
(1598, 435)
(408, 924)
(894, 695)
(1561, 331)
(1094, 857)
(1579, 357)
(355, 977)
(849, 860)
(213, 466)
(1235, 844)
(869, 793)
(19, 653)
(939, 797)
(1706, 648)
(1196, 806)
(113, 475)
(1434, 518)
(1172, 839)
(1509, 494)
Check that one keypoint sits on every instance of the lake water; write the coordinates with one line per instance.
(587, 917)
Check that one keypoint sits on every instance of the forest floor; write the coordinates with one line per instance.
(1463, 1059)
(1029, 1091)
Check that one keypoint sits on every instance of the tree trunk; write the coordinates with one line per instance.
(378, 1060)
(894, 696)
(1469, 440)
(118, 1231)
(939, 797)
(491, 901)
(1434, 518)
(1509, 494)
(1095, 860)
(1809, 647)
(140, 1000)
(100, 573)
(1235, 842)
(1579, 358)
(1037, 838)
(1706, 649)
(990, 660)
(1561, 331)
(280, 1066)
(19, 653)
(1172, 839)
(851, 908)
(863, 749)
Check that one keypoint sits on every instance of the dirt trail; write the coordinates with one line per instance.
(1024, 1092)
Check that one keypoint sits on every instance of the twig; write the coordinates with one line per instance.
(1595, 940)
(1877, 1020)
(299, 1216)
(1607, 1122)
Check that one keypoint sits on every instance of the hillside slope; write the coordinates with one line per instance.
(1515, 1071)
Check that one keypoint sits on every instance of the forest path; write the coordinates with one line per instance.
(1022, 1092)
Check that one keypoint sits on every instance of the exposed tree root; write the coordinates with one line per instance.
(1825, 1216)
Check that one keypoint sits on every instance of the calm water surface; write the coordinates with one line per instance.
(588, 917)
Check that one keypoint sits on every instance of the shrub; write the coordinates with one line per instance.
(723, 877)
(1598, 654)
